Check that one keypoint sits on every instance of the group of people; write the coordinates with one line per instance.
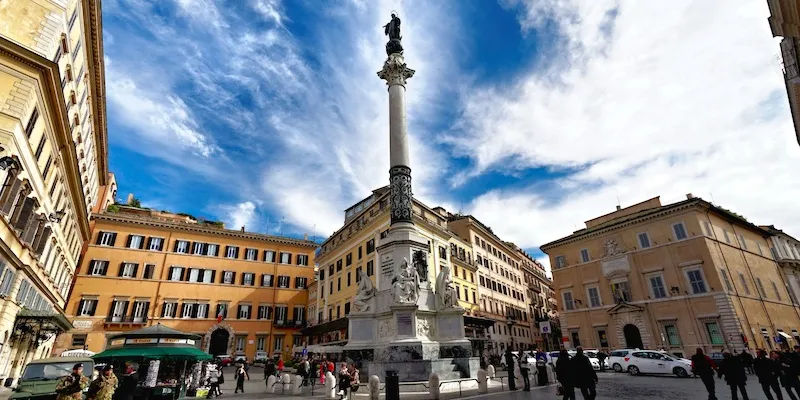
(575, 372)
(773, 370)
(103, 387)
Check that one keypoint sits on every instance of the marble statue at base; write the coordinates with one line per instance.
(446, 295)
(406, 284)
(366, 291)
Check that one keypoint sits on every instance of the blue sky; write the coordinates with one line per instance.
(533, 115)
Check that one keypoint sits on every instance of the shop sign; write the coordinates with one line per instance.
(82, 324)
(172, 341)
(118, 342)
(142, 341)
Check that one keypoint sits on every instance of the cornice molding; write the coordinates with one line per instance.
(120, 218)
(93, 28)
(49, 79)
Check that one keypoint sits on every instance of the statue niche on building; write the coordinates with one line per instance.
(421, 265)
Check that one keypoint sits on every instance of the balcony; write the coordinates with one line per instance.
(125, 320)
(297, 324)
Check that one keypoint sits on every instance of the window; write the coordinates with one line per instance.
(156, 244)
(696, 281)
(98, 268)
(281, 313)
(87, 307)
(339, 283)
(248, 279)
(267, 280)
(228, 277)
(760, 250)
(181, 246)
(370, 246)
(231, 252)
(707, 228)
(283, 281)
(269, 256)
(370, 268)
(188, 310)
(576, 340)
(727, 237)
(644, 240)
(140, 311)
(128, 270)
(360, 253)
(569, 304)
(78, 340)
(251, 254)
(222, 310)
(671, 332)
(202, 310)
(657, 287)
(742, 242)
(584, 255)
(358, 274)
(680, 231)
(264, 311)
(300, 313)
(594, 296)
(286, 258)
(208, 276)
(31, 123)
(148, 271)
(244, 311)
(278, 343)
(560, 262)
(349, 259)
(777, 293)
(714, 333)
(197, 249)
(40, 148)
(212, 249)
(348, 279)
(260, 343)
(300, 282)
(169, 308)
(744, 284)
(106, 238)
(176, 273)
(760, 287)
(302, 259)
(338, 266)
(725, 279)
(621, 291)
(240, 343)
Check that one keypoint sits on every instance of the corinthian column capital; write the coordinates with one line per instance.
(395, 71)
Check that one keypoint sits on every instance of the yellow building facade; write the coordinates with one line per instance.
(52, 163)
(244, 293)
(677, 276)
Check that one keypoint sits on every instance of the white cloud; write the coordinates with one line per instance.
(672, 98)
(240, 215)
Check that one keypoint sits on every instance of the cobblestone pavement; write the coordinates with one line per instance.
(612, 386)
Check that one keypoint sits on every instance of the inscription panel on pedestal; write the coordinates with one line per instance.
(450, 326)
(405, 325)
(362, 329)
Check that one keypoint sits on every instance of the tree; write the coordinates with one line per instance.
(135, 203)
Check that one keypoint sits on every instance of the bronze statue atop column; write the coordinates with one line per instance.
(392, 29)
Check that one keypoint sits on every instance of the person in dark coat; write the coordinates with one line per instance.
(789, 371)
(585, 377)
(510, 366)
(733, 370)
(127, 383)
(747, 361)
(768, 372)
(565, 375)
(704, 367)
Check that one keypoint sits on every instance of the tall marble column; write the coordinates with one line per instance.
(395, 73)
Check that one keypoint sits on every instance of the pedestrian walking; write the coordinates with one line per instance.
(241, 375)
(732, 368)
(524, 370)
(213, 383)
(747, 361)
(585, 377)
(789, 375)
(344, 381)
(768, 372)
(510, 367)
(280, 365)
(565, 375)
(355, 378)
(704, 367)
(303, 370)
(601, 357)
(128, 383)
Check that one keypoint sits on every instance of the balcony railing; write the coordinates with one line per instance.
(290, 323)
(126, 319)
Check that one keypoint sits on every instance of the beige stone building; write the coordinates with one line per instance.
(785, 249)
(541, 301)
(53, 164)
(784, 21)
(676, 276)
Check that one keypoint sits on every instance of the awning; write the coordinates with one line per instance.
(187, 353)
(330, 326)
(58, 320)
(470, 320)
(784, 334)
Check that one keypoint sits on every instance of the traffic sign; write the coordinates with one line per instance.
(544, 327)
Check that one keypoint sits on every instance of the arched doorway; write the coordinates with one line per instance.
(633, 339)
(219, 342)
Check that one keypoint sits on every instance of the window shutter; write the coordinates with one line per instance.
(161, 245)
(94, 308)
(80, 307)
(290, 258)
(175, 250)
(164, 310)
(183, 309)
(236, 252)
(128, 243)
(25, 214)
(43, 240)
(113, 239)
(184, 275)
(125, 309)
(195, 308)
(135, 270)
(233, 277)
(149, 242)
(10, 196)
(105, 267)
(171, 269)
(250, 312)
(219, 310)
(121, 269)
(213, 276)
(141, 244)
(112, 308)
(146, 310)
(238, 311)
(216, 251)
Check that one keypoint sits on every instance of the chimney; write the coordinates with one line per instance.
(305, 236)
(619, 208)
(130, 198)
(689, 196)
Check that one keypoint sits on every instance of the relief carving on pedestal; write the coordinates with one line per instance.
(425, 327)
(385, 328)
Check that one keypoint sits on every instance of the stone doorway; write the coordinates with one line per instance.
(218, 345)
(633, 338)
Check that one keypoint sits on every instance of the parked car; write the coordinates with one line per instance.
(656, 362)
(261, 357)
(616, 359)
(592, 354)
(224, 360)
(40, 377)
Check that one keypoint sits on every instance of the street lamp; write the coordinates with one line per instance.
(57, 216)
(7, 162)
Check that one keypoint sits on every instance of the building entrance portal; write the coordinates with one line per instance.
(633, 338)
(219, 342)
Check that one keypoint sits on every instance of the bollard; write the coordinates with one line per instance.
(286, 379)
(433, 386)
(551, 374)
(374, 387)
(392, 385)
(491, 371)
(483, 383)
(271, 384)
(330, 386)
(298, 380)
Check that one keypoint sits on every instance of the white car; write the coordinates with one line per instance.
(592, 354)
(616, 359)
(655, 362)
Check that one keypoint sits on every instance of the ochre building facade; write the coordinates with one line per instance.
(677, 276)
(244, 293)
